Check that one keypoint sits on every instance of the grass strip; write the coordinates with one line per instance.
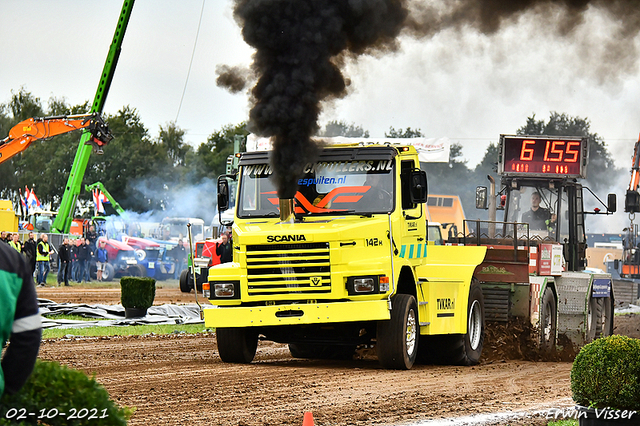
(132, 330)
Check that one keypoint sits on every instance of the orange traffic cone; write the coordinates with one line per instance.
(308, 419)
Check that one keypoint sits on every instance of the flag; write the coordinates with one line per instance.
(25, 209)
(97, 200)
(32, 200)
(103, 198)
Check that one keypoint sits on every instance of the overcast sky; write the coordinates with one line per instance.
(465, 86)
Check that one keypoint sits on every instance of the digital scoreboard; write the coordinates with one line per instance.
(551, 156)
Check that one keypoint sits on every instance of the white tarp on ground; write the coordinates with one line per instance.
(430, 150)
(113, 315)
(631, 309)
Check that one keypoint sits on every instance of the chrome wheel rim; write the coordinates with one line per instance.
(411, 333)
(475, 325)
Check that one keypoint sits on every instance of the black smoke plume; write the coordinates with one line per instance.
(299, 49)
(301, 45)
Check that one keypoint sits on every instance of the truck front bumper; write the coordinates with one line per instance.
(296, 314)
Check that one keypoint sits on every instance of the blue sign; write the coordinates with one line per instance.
(601, 287)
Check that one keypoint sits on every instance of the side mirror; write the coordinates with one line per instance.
(418, 187)
(481, 197)
(612, 203)
(223, 194)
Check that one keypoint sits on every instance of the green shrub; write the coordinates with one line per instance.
(606, 374)
(53, 389)
(136, 292)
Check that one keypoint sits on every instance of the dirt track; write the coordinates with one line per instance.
(179, 379)
(174, 380)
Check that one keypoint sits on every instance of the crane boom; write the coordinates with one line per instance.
(64, 218)
(23, 134)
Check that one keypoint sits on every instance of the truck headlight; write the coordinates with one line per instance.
(363, 285)
(206, 290)
(224, 290)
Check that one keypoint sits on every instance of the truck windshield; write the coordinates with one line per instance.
(337, 188)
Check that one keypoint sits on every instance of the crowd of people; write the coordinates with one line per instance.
(74, 257)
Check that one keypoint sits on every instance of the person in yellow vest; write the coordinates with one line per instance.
(15, 243)
(42, 259)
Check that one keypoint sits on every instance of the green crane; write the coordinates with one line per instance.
(106, 193)
(62, 223)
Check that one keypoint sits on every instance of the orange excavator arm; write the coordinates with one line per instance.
(30, 130)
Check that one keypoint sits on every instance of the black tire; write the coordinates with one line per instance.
(548, 320)
(459, 349)
(397, 339)
(237, 345)
(135, 271)
(600, 318)
(185, 285)
(109, 272)
(316, 351)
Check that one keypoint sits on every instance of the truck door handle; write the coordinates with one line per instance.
(420, 239)
(352, 243)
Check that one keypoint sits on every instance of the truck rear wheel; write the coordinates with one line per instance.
(459, 349)
(237, 345)
(599, 318)
(548, 320)
(397, 339)
(185, 285)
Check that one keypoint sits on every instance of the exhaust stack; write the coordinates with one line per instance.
(287, 210)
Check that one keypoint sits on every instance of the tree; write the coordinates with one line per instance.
(407, 133)
(341, 128)
(172, 139)
(211, 157)
(602, 170)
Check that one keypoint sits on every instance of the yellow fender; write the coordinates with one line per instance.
(443, 287)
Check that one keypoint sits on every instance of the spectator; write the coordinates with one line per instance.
(3, 237)
(42, 259)
(223, 249)
(180, 256)
(64, 257)
(29, 249)
(91, 236)
(84, 257)
(20, 322)
(15, 243)
(102, 257)
(75, 261)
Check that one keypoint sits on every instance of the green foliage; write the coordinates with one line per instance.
(211, 159)
(606, 374)
(137, 292)
(406, 133)
(341, 128)
(55, 387)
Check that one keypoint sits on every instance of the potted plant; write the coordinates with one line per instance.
(136, 295)
(605, 382)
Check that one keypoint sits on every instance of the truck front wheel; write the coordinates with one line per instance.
(600, 319)
(397, 339)
(237, 345)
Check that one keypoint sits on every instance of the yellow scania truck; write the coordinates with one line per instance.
(344, 263)
(347, 263)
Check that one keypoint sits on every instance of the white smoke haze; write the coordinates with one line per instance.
(192, 200)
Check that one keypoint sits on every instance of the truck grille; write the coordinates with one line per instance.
(274, 269)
